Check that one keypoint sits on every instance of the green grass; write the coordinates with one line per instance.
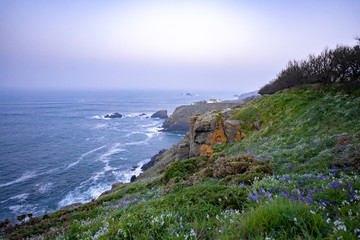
(298, 187)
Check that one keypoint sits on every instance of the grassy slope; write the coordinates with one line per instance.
(312, 193)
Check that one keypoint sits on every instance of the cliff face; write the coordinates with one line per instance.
(207, 130)
(180, 119)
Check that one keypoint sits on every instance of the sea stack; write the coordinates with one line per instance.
(160, 114)
(113, 115)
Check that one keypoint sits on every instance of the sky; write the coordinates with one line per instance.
(232, 45)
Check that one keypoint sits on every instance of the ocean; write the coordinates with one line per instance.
(56, 147)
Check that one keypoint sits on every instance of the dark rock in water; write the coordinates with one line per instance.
(143, 114)
(152, 161)
(71, 206)
(4, 223)
(134, 168)
(21, 217)
(160, 114)
(189, 94)
(113, 115)
(132, 179)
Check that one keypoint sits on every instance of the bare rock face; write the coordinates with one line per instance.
(180, 120)
(232, 130)
(206, 131)
(160, 114)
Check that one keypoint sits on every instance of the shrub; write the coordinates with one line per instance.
(341, 65)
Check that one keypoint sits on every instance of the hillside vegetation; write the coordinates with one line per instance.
(295, 178)
(339, 65)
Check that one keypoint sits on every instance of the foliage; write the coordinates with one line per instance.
(340, 65)
(295, 178)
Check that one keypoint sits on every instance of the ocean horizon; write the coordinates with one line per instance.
(57, 148)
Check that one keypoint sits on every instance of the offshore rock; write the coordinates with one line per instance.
(160, 114)
(113, 115)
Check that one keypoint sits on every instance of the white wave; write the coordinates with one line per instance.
(136, 143)
(21, 197)
(98, 117)
(78, 196)
(131, 115)
(113, 150)
(100, 125)
(125, 175)
(150, 125)
(44, 187)
(22, 208)
(35, 209)
(24, 177)
(84, 155)
(133, 133)
(95, 189)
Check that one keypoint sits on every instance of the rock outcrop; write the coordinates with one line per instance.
(113, 115)
(179, 121)
(152, 160)
(160, 114)
(206, 131)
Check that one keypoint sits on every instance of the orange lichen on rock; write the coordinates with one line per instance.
(239, 135)
(218, 136)
(205, 150)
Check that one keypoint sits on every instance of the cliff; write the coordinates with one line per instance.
(283, 166)
(179, 121)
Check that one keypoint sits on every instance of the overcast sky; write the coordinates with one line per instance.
(174, 44)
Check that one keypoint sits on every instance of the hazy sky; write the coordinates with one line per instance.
(188, 44)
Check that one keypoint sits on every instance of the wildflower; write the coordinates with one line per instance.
(192, 233)
(220, 199)
(220, 231)
(328, 220)
(312, 212)
(295, 220)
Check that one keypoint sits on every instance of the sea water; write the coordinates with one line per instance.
(56, 147)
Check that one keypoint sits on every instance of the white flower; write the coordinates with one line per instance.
(295, 220)
(312, 212)
(192, 233)
(328, 220)
(220, 231)
(220, 199)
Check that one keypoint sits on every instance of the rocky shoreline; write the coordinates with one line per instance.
(205, 124)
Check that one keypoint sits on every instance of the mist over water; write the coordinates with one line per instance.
(56, 148)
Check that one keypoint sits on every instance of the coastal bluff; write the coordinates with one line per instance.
(206, 131)
(179, 121)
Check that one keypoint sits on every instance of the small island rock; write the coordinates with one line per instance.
(113, 115)
(160, 114)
